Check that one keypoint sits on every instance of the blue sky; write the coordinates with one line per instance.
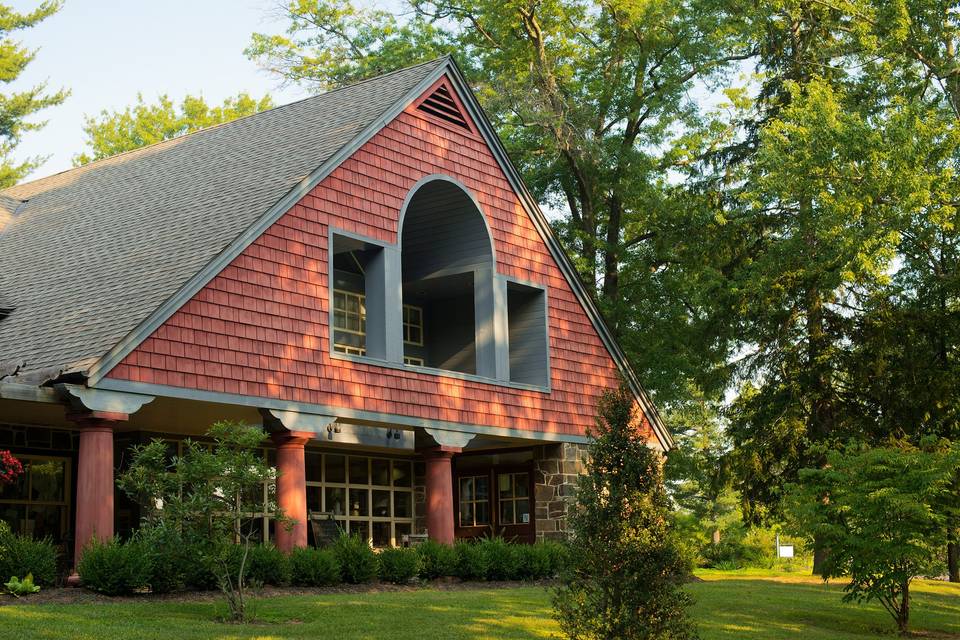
(106, 51)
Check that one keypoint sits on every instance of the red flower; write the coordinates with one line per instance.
(10, 468)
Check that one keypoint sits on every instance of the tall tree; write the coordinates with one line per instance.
(589, 98)
(143, 124)
(17, 108)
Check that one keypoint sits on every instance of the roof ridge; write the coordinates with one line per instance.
(7, 191)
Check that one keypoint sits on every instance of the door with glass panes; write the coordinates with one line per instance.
(495, 501)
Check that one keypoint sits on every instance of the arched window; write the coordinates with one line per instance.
(447, 258)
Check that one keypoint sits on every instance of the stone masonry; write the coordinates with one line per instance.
(556, 468)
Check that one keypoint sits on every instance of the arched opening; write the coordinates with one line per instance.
(447, 263)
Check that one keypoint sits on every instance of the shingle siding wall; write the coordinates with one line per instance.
(260, 327)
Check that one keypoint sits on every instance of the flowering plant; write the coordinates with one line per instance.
(10, 468)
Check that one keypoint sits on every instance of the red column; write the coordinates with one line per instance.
(440, 493)
(94, 484)
(291, 489)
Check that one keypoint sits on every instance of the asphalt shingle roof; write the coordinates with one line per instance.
(88, 254)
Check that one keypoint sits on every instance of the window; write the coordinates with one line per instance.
(369, 496)
(38, 502)
(474, 501)
(413, 325)
(514, 498)
(527, 325)
(413, 360)
(349, 322)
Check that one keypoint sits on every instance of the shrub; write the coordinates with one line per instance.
(199, 571)
(471, 561)
(314, 568)
(358, 562)
(170, 558)
(20, 555)
(399, 566)
(500, 558)
(114, 568)
(436, 560)
(267, 565)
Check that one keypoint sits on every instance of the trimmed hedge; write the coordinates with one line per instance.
(436, 560)
(358, 562)
(314, 568)
(115, 568)
(20, 555)
(161, 560)
(399, 566)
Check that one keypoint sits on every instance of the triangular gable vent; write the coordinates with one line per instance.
(442, 105)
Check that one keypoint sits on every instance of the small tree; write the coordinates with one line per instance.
(208, 494)
(884, 518)
(626, 573)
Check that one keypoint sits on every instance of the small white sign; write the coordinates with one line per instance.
(786, 551)
(526, 518)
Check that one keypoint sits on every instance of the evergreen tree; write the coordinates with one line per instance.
(17, 108)
(625, 578)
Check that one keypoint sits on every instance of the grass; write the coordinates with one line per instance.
(749, 605)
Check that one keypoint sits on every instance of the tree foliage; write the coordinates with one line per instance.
(884, 517)
(590, 98)
(17, 108)
(144, 124)
(626, 573)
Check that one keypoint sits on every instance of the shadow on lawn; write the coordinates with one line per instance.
(767, 609)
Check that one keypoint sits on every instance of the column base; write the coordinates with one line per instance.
(74, 580)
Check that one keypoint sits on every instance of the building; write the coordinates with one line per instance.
(362, 271)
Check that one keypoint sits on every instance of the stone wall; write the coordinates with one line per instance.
(556, 467)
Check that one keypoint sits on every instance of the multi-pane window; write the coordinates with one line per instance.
(37, 503)
(372, 497)
(349, 323)
(412, 325)
(474, 501)
(513, 494)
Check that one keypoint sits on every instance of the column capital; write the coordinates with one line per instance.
(96, 420)
(440, 452)
(291, 439)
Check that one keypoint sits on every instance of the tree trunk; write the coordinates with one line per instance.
(953, 555)
(903, 617)
(820, 555)
(716, 536)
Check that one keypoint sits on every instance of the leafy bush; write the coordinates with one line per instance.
(170, 558)
(533, 561)
(437, 560)
(267, 565)
(358, 562)
(200, 573)
(399, 566)
(20, 555)
(500, 558)
(314, 568)
(472, 563)
(115, 568)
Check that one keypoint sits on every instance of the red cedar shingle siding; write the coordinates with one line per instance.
(260, 327)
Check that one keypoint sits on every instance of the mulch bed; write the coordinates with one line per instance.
(75, 595)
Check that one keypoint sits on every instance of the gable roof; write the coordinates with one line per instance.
(87, 254)
(93, 259)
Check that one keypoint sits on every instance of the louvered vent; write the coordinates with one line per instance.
(442, 105)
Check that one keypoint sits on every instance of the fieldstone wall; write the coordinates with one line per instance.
(556, 467)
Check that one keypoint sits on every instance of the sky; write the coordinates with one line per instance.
(106, 51)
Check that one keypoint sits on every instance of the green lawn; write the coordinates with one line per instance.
(742, 605)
